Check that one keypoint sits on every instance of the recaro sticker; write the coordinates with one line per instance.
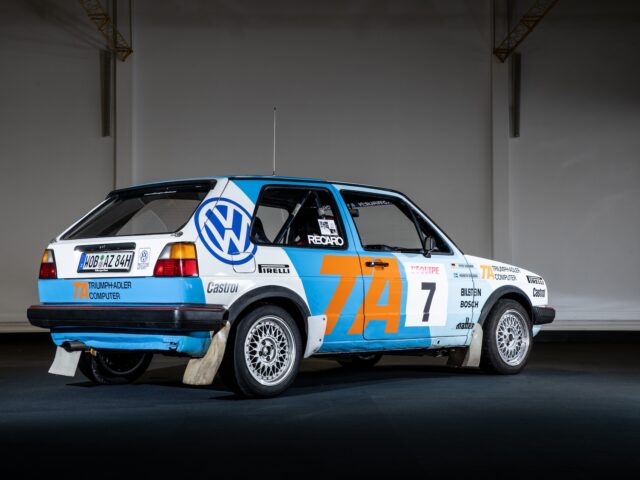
(223, 226)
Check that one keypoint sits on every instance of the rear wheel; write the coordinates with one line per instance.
(264, 354)
(508, 338)
(114, 368)
(359, 361)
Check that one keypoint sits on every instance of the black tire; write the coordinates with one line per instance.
(114, 368)
(513, 358)
(359, 361)
(236, 370)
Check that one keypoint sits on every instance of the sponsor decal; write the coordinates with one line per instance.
(143, 258)
(325, 240)
(223, 226)
(535, 279)
(468, 304)
(273, 268)
(499, 272)
(465, 275)
(424, 269)
(222, 287)
(373, 203)
(464, 326)
(487, 272)
(461, 265)
(470, 292)
(349, 268)
(426, 294)
(539, 292)
(327, 227)
(99, 290)
(80, 290)
(325, 211)
(504, 268)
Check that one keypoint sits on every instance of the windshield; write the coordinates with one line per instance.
(140, 212)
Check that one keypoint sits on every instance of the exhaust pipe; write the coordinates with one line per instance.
(74, 346)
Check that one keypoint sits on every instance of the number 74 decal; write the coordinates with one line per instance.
(382, 279)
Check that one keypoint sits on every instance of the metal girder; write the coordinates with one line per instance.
(99, 16)
(524, 27)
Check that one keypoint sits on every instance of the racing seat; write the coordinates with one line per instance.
(306, 223)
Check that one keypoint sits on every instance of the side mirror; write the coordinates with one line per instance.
(428, 246)
(355, 213)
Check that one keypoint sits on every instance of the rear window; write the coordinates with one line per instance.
(140, 212)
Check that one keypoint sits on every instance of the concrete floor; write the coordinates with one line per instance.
(574, 412)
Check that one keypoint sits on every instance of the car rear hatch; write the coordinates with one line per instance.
(125, 235)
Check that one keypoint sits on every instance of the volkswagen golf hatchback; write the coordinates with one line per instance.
(252, 274)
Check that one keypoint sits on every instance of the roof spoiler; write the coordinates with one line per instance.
(204, 185)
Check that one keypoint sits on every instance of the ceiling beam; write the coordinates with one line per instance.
(523, 28)
(99, 16)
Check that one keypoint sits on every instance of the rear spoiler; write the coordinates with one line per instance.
(203, 185)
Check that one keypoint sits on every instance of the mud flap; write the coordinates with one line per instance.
(468, 357)
(65, 363)
(316, 326)
(202, 371)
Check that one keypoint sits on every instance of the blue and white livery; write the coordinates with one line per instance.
(255, 273)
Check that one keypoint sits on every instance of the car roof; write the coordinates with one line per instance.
(210, 181)
(204, 182)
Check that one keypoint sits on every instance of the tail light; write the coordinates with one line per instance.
(177, 260)
(48, 266)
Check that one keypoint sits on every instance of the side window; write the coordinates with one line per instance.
(297, 217)
(383, 223)
(388, 223)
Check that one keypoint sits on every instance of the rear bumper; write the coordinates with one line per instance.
(543, 315)
(146, 317)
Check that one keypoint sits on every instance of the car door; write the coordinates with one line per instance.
(407, 294)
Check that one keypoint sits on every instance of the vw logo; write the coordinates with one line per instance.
(223, 226)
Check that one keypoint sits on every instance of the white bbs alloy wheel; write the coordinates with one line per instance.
(507, 339)
(265, 354)
(512, 338)
(269, 350)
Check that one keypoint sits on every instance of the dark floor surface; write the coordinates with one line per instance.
(573, 413)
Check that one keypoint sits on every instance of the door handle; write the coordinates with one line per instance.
(376, 263)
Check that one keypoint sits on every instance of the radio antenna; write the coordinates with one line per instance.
(274, 140)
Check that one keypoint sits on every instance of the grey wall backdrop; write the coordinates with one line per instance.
(54, 162)
(575, 170)
(398, 93)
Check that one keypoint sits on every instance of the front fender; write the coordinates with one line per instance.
(506, 291)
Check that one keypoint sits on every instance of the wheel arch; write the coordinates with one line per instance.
(506, 292)
(275, 295)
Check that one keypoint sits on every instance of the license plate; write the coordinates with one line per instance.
(105, 262)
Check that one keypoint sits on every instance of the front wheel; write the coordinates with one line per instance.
(508, 338)
(264, 354)
(114, 368)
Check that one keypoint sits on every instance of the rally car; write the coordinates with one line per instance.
(250, 274)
